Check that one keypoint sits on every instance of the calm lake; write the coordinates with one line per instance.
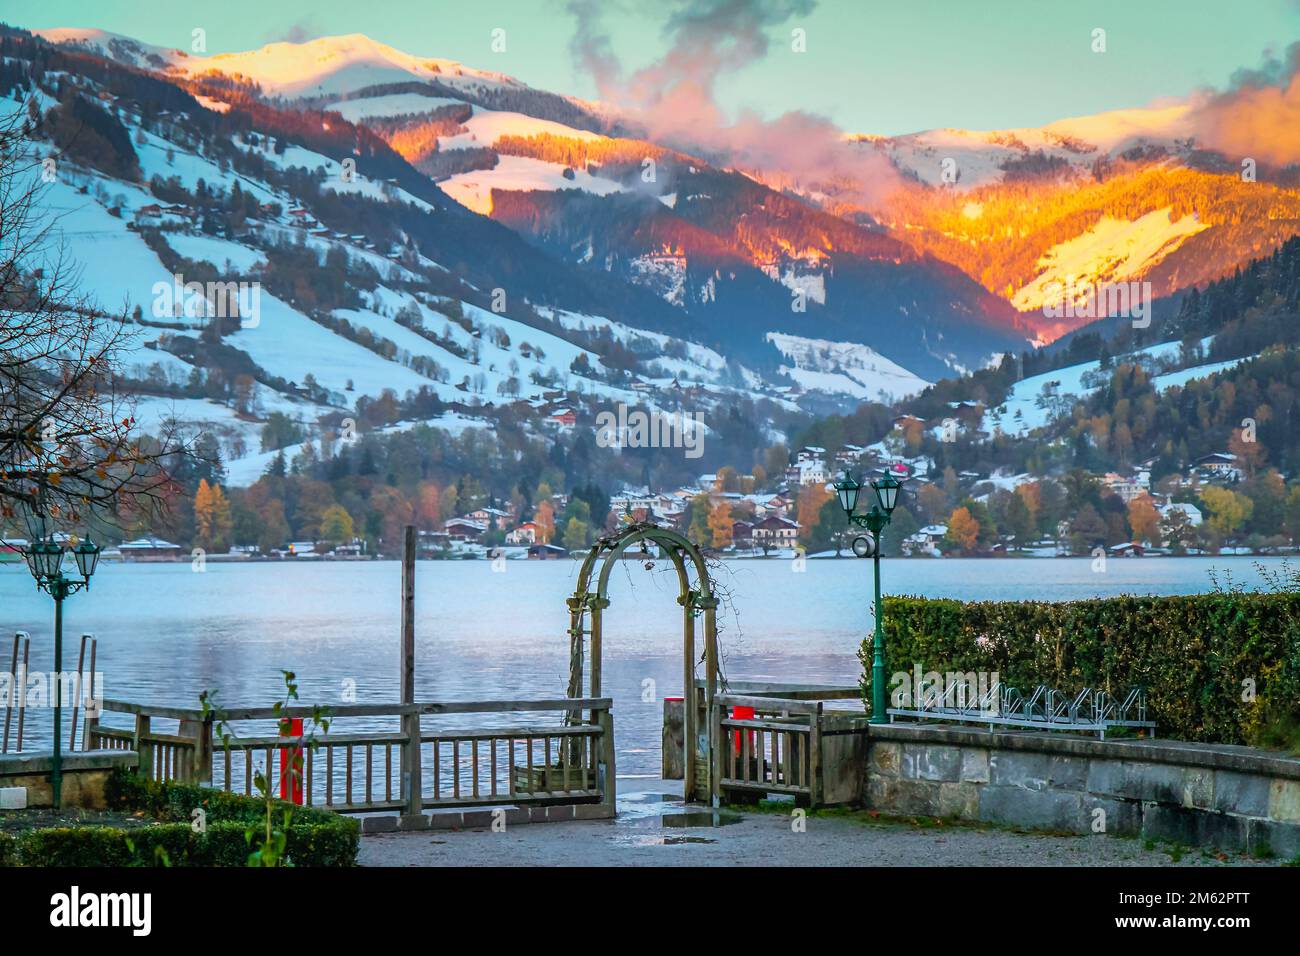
(166, 633)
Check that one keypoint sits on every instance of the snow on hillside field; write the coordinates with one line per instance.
(156, 414)
(159, 157)
(113, 265)
(473, 190)
(977, 156)
(696, 363)
(845, 367)
(290, 345)
(1185, 375)
(1028, 406)
(244, 471)
(331, 173)
(1114, 250)
(485, 127)
(219, 252)
(393, 104)
(273, 232)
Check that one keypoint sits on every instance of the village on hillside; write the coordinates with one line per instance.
(1210, 508)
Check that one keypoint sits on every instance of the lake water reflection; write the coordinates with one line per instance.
(166, 633)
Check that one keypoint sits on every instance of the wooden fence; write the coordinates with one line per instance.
(790, 746)
(449, 766)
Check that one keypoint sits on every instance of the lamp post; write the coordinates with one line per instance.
(45, 558)
(868, 546)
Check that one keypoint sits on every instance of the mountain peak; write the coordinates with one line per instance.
(323, 66)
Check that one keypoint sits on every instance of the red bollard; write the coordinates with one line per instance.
(291, 763)
(742, 713)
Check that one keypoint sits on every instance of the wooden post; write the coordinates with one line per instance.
(201, 731)
(17, 690)
(412, 786)
(22, 682)
(710, 692)
(690, 701)
(605, 719)
(715, 772)
(597, 613)
(92, 707)
(408, 618)
(77, 693)
(145, 750)
(815, 789)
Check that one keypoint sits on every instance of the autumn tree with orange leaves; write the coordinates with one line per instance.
(963, 530)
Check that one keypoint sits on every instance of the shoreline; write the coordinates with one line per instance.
(318, 558)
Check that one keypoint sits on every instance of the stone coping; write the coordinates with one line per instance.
(43, 761)
(1180, 752)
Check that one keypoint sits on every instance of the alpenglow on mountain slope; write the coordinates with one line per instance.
(732, 258)
(425, 227)
(1125, 196)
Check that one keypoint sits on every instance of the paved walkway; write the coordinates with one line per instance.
(654, 829)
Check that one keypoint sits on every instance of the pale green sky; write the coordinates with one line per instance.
(871, 66)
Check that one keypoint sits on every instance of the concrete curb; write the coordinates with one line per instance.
(481, 819)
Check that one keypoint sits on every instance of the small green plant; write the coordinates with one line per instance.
(269, 850)
(160, 854)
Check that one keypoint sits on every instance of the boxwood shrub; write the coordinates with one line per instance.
(315, 837)
(1199, 657)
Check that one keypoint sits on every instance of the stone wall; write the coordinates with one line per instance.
(1232, 798)
(84, 774)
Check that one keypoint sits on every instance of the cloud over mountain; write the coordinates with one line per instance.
(1259, 115)
(674, 98)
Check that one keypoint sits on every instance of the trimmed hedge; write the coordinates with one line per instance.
(315, 837)
(1192, 654)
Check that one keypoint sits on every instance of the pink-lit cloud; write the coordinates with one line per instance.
(1258, 116)
(674, 99)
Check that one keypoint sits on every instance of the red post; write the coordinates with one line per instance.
(742, 713)
(291, 762)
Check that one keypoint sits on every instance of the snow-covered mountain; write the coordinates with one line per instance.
(1040, 216)
(498, 245)
(328, 66)
(366, 294)
(967, 159)
(735, 259)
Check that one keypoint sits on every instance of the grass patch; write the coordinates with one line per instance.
(148, 823)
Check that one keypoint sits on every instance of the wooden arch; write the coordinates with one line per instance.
(588, 604)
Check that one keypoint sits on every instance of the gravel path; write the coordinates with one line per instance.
(639, 837)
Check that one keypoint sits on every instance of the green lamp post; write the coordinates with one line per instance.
(45, 558)
(868, 546)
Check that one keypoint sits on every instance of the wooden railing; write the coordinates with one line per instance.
(450, 766)
(162, 756)
(792, 745)
(776, 751)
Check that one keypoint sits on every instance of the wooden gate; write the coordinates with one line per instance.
(588, 603)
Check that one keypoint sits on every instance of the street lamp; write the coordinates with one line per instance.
(45, 558)
(868, 546)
